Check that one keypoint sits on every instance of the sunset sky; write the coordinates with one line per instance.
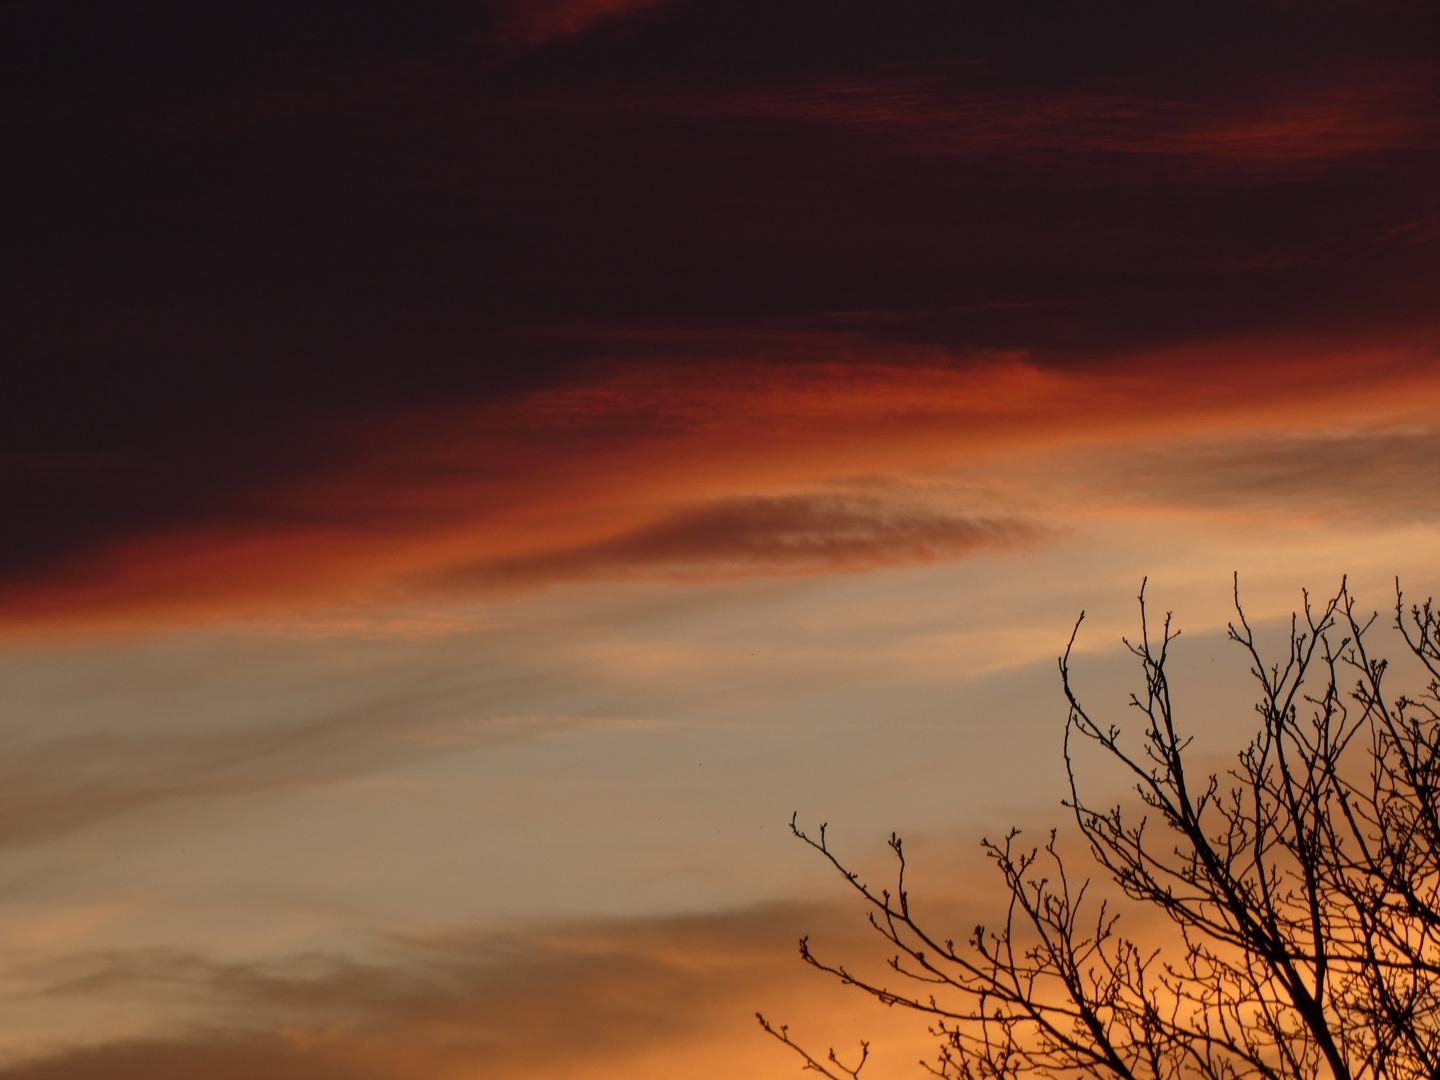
(472, 470)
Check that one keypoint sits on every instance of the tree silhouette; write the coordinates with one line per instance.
(1301, 890)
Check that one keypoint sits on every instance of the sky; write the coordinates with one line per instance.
(473, 470)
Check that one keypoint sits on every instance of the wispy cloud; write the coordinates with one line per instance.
(757, 535)
(1217, 140)
(593, 1000)
(149, 745)
(533, 22)
(1341, 473)
(693, 469)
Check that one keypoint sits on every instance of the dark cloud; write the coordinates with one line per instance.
(1127, 135)
(788, 534)
(231, 228)
(519, 1004)
(222, 1057)
(533, 22)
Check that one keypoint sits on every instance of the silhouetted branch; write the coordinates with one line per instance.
(1303, 887)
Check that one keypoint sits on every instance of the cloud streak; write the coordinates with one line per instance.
(69, 784)
(664, 469)
(1216, 142)
(534, 22)
(263, 722)
(594, 1000)
(316, 223)
(1376, 475)
(756, 536)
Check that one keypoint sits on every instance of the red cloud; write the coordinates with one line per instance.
(754, 535)
(536, 21)
(693, 470)
(1308, 128)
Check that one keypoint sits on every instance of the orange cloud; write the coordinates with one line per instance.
(1354, 474)
(647, 998)
(713, 469)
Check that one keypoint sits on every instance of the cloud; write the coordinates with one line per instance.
(94, 736)
(1382, 474)
(673, 466)
(533, 22)
(316, 219)
(1222, 140)
(757, 535)
(71, 783)
(223, 1057)
(586, 999)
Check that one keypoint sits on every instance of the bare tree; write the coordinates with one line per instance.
(1301, 890)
